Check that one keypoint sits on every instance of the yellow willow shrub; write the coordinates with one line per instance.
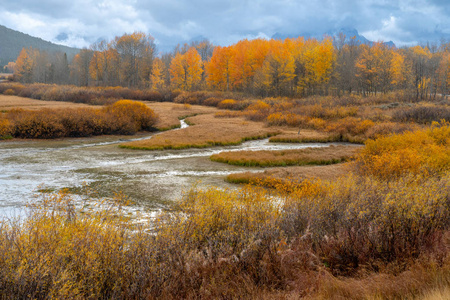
(276, 119)
(56, 252)
(257, 111)
(350, 125)
(5, 127)
(316, 123)
(9, 92)
(223, 222)
(364, 221)
(424, 152)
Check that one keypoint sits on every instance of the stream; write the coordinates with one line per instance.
(152, 179)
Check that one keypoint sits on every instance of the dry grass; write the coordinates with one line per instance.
(304, 136)
(12, 102)
(296, 174)
(294, 157)
(171, 113)
(207, 131)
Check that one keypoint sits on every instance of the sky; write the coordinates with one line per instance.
(79, 23)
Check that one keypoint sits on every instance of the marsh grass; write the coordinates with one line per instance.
(208, 131)
(292, 174)
(296, 157)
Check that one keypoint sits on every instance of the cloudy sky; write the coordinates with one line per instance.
(81, 22)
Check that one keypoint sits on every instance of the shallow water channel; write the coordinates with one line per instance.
(152, 179)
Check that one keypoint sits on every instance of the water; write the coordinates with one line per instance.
(152, 179)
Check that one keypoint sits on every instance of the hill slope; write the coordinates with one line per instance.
(12, 42)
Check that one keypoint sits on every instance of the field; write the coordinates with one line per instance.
(11, 102)
(291, 174)
(300, 157)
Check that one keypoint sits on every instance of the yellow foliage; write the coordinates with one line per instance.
(422, 152)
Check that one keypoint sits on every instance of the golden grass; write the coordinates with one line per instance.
(305, 136)
(207, 131)
(171, 113)
(296, 174)
(12, 102)
(293, 157)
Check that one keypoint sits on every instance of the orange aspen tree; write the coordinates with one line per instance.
(219, 69)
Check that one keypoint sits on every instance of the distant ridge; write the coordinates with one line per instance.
(12, 42)
(348, 32)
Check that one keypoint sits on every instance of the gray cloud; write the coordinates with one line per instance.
(81, 22)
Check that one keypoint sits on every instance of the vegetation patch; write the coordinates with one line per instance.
(317, 237)
(297, 157)
(169, 114)
(122, 117)
(208, 131)
(291, 176)
(422, 152)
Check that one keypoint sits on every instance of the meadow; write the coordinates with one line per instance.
(376, 227)
(298, 157)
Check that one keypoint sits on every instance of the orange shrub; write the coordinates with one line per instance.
(122, 117)
(316, 123)
(228, 104)
(350, 125)
(36, 124)
(131, 116)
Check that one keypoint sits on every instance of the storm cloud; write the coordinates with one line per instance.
(79, 23)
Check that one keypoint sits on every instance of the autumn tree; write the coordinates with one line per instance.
(157, 76)
(137, 51)
(420, 57)
(347, 53)
(220, 68)
(186, 70)
(80, 67)
(25, 65)
(10, 67)
(279, 68)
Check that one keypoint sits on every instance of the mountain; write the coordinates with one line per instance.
(348, 32)
(12, 42)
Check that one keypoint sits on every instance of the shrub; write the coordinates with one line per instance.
(212, 101)
(5, 128)
(228, 104)
(43, 124)
(422, 114)
(422, 152)
(131, 116)
(9, 92)
(122, 117)
(350, 125)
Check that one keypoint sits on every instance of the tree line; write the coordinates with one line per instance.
(290, 67)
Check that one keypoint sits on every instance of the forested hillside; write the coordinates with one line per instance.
(12, 42)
